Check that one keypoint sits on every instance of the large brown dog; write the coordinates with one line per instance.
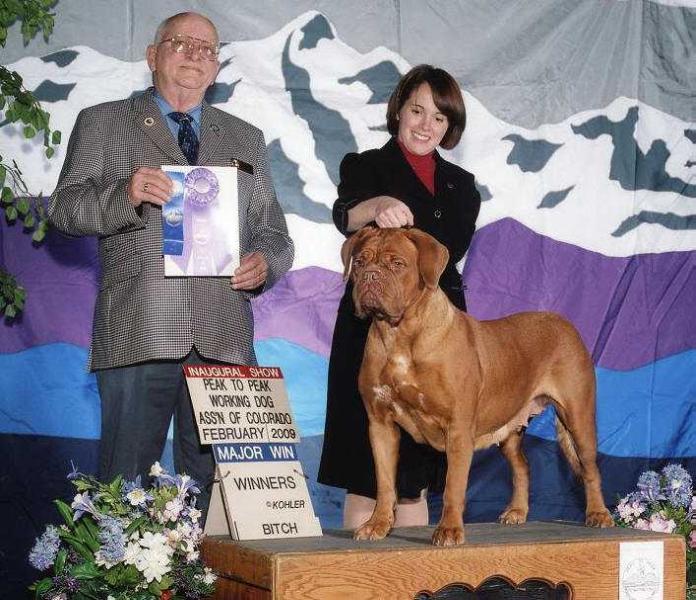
(460, 384)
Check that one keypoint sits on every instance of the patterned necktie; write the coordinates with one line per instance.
(188, 141)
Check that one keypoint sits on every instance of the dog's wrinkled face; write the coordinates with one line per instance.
(390, 268)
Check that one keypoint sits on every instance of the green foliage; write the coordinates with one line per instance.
(121, 541)
(18, 106)
(12, 296)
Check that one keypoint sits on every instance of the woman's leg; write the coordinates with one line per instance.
(410, 512)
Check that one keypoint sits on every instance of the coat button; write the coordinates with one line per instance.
(438, 213)
(450, 186)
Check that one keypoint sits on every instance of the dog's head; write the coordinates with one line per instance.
(390, 269)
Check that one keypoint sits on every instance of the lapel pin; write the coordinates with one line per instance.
(149, 121)
(450, 185)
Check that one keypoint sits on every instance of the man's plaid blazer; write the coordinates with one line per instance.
(140, 315)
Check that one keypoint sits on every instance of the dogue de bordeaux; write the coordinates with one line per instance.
(460, 384)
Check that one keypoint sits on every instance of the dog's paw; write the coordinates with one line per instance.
(448, 536)
(372, 530)
(599, 518)
(513, 516)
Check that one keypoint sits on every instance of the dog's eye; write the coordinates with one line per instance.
(398, 263)
(358, 262)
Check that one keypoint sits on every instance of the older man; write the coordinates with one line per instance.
(145, 325)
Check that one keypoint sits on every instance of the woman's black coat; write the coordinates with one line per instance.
(450, 216)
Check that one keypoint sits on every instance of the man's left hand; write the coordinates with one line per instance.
(251, 272)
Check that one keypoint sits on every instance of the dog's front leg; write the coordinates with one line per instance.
(460, 449)
(384, 438)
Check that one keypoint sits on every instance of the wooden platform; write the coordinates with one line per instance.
(406, 565)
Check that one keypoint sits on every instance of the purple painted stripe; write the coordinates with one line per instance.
(301, 308)
(60, 277)
(61, 281)
(630, 311)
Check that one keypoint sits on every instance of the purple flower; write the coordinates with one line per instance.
(186, 485)
(66, 583)
(678, 486)
(134, 493)
(649, 486)
(161, 477)
(82, 504)
(129, 486)
(74, 474)
(44, 552)
(113, 541)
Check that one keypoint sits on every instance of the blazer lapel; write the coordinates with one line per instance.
(212, 134)
(150, 121)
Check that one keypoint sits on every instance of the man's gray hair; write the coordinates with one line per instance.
(164, 25)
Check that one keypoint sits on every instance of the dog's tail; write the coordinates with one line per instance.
(568, 447)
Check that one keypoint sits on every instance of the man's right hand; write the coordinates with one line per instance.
(149, 185)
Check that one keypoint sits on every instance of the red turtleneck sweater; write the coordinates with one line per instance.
(423, 166)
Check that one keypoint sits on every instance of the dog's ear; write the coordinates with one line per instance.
(350, 244)
(432, 256)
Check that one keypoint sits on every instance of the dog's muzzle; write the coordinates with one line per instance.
(373, 295)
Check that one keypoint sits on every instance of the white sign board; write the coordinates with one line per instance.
(244, 413)
(641, 570)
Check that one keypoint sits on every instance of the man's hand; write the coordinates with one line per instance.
(251, 272)
(149, 185)
(390, 212)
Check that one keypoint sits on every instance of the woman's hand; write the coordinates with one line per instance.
(390, 212)
(386, 211)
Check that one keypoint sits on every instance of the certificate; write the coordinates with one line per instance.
(200, 223)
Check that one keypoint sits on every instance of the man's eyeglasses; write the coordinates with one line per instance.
(184, 44)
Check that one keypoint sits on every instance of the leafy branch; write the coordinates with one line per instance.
(19, 106)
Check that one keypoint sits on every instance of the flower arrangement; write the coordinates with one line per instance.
(664, 502)
(120, 541)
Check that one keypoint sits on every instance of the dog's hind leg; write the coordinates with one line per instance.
(518, 507)
(575, 427)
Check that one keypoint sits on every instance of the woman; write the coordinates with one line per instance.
(404, 183)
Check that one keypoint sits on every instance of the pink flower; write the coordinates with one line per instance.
(628, 510)
(642, 524)
(659, 523)
(692, 539)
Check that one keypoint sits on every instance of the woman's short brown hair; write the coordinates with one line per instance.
(446, 95)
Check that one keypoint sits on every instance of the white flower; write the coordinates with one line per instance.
(173, 536)
(173, 509)
(194, 514)
(154, 560)
(156, 470)
(133, 550)
(192, 556)
(153, 565)
(137, 497)
(209, 576)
